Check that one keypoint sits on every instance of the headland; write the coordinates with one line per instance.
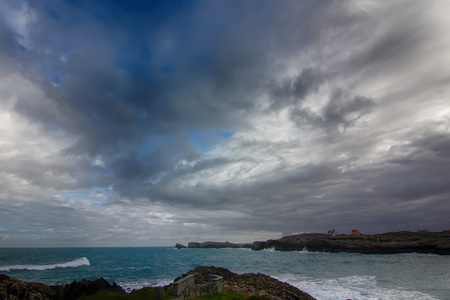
(385, 243)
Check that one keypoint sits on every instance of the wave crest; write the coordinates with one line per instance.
(71, 264)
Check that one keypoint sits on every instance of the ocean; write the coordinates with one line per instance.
(325, 276)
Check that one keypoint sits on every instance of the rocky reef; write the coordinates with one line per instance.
(180, 246)
(386, 243)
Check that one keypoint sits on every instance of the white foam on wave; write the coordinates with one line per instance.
(269, 250)
(351, 287)
(136, 285)
(71, 264)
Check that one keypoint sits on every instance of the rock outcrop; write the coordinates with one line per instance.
(14, 289)
(180, 246)
(85, 288)
(217, 245)
(251, 284)
(393, 242)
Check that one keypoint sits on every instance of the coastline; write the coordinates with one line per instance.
(385, 243)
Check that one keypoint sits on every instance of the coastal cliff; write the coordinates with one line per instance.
(217, 245)
(386, 243)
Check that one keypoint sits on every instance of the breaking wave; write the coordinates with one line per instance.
(71, 264)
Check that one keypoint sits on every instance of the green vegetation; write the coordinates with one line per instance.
(230, 295)
(407, 234)
(142, 294)
(150, 294)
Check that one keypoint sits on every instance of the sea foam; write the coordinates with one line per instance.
(351, 287)
(71, 264)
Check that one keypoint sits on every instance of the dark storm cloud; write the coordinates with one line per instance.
(294, 90)
(341, 110)
(115, 97)
(275, 117)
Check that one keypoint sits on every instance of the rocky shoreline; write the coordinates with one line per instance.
(213, 245)
(385, 243)
(249, 286)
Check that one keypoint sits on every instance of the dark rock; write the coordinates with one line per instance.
(180, 246)
(14, 289)
(85, 287)
(393, 242)
(259, 286)
(215, 245)
(256, 286)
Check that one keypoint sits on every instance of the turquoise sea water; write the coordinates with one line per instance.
(323, 275)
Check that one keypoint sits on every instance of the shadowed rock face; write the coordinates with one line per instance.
(14, 289)
(85, 287)
(394, 242)
(11, 288)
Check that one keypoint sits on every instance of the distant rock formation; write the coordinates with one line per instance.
(180, 246)
(217, 245)
(386, 243)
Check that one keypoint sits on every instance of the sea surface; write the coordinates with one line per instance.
(325, 276)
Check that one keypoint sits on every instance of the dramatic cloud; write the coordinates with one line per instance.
(135, 123)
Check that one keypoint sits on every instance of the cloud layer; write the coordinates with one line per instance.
(150, 124)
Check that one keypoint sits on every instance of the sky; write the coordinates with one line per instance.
(150, 123)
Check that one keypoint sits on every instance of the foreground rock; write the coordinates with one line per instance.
(258, 286)
(85, 288)
(251, 284)
(387, 243)
(14, 289)
(217, 245)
